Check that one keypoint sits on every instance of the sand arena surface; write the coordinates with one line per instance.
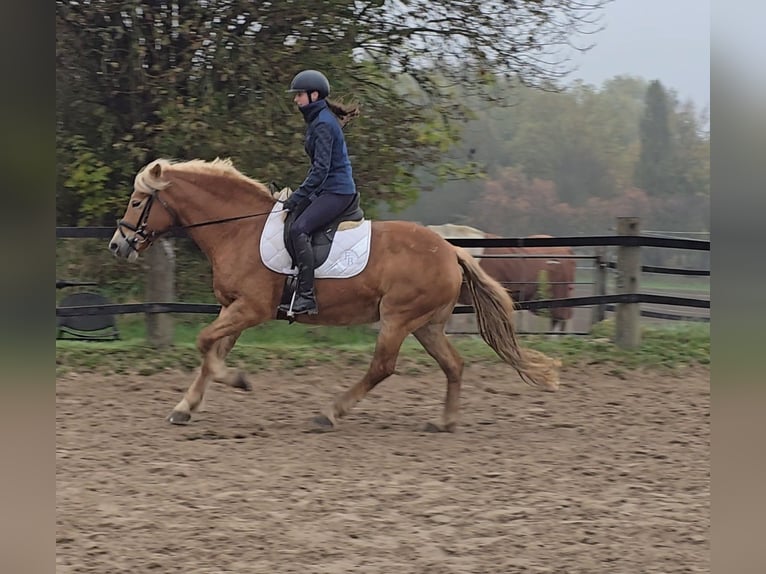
(610, 474)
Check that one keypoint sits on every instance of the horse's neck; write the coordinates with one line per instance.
(218, 236)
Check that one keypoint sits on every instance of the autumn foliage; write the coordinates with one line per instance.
(514, 205)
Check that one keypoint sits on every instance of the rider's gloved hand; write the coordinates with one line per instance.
(291, 203)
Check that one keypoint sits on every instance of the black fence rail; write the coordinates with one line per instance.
(576, 241)
(84, 232)
(210, 308)
(604, 301)
(585, 241)
(666, 270)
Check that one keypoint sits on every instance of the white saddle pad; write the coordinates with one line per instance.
(349, 252)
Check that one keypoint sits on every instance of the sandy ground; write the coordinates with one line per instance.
(610, 474)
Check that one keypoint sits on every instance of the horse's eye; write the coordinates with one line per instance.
(135, 203)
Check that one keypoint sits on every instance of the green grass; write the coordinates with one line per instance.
(675, 283)
(277, 345)
(666, 346)
(273, 334)
(653, 281)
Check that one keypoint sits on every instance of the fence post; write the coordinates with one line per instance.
(160, 288)
(599, 284)
(628, 319)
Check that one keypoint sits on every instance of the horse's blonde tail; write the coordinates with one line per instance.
(494, 314)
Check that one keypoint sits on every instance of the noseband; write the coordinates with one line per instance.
(140, 234)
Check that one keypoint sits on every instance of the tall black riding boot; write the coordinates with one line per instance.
(304, 256)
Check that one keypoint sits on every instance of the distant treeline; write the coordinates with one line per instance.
(569, 163)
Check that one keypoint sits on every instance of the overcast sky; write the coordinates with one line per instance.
(666, 40)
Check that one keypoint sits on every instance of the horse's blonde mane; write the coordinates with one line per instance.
(146, 181)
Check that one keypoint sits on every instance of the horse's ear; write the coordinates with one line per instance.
(156, 171)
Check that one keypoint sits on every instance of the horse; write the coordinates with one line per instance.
(548, 274)
(410, 284)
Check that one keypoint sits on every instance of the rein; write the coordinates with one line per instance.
(151, 236)
(225, 220)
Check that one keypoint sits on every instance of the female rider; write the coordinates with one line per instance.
(329, 187)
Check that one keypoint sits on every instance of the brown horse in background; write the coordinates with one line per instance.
(548, 274)
(410, 284)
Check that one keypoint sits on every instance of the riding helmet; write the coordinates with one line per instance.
(310, 81)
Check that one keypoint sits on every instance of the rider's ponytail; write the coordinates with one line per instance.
(345, 113)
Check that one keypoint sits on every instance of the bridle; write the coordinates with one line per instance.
(142, 235)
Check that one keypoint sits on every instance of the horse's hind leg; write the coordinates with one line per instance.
(390, 339)
(436, 344)
(558, 325)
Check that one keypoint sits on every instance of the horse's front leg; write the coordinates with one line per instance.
(228, 376)
(214, 343)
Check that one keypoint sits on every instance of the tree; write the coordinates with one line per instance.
(585, 141)
(654, 170)
(515, 205)
(202, 79)
(691, 153)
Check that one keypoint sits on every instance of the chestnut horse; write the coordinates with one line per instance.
(410, 284)
(548, 274)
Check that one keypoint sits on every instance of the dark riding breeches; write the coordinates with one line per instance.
(320, 212)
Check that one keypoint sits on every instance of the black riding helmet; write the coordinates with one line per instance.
(310, 81)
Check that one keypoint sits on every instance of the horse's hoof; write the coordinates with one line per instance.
(242, 383)
(179, 418)
(324, 422)
(432, 427)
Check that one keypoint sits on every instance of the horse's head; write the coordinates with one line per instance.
(147, 215)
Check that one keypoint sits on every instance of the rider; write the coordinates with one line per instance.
(329, 188)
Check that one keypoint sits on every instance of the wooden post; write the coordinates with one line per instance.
(628, 321)
(599, 284)
(160, 288)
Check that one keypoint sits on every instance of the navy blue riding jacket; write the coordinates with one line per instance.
(330, 170)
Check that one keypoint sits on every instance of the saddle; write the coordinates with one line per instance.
(321, 239)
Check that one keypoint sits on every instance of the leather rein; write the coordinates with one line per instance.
(140, 233)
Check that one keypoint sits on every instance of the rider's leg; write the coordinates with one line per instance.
(321, 211)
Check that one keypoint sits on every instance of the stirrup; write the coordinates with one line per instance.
(290, 311)
(309, 306)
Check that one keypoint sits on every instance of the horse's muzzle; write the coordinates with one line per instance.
(121, 247)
